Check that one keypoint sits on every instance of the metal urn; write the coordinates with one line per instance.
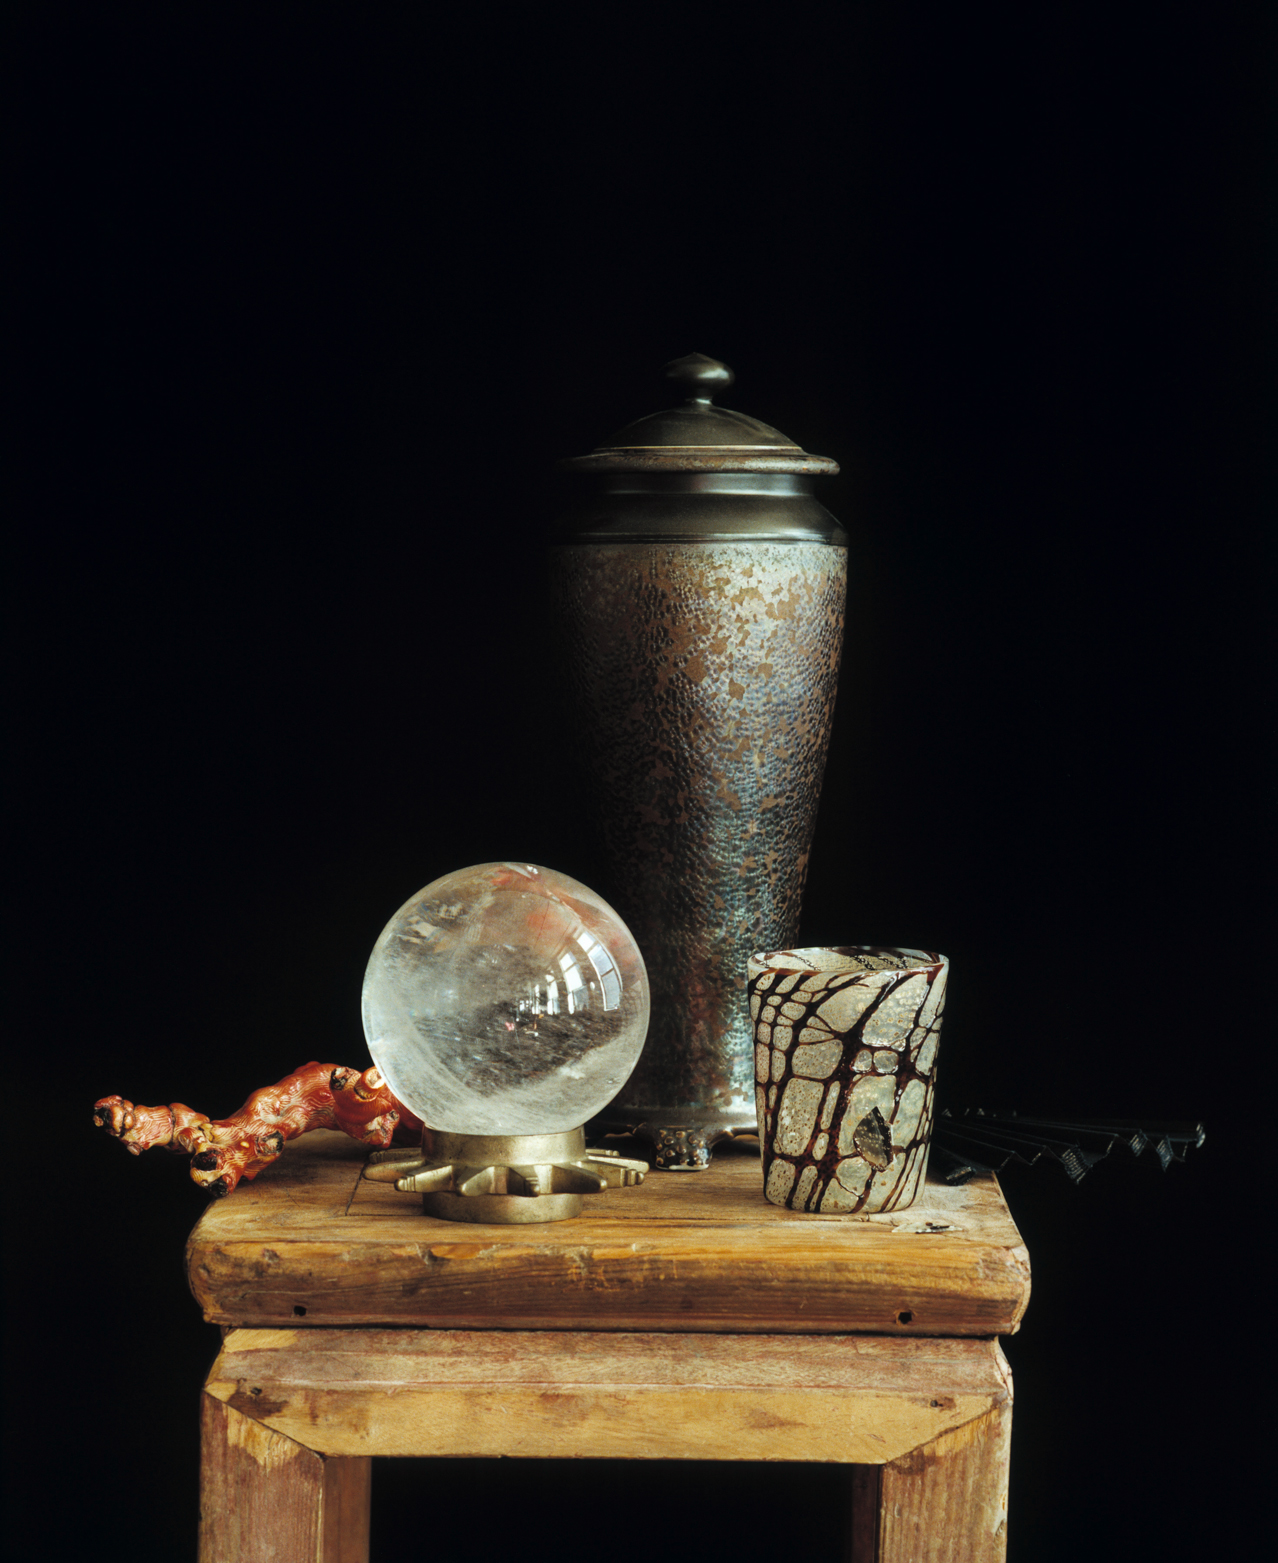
(702, 587)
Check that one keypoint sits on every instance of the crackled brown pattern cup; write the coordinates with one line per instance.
(845, 1068)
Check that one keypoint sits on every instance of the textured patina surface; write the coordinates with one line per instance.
(845, 1069)
(706, 676)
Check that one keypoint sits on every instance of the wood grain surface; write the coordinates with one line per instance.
(310, 1243)
(946, 1502)
(563, 1395)
(266, 1497)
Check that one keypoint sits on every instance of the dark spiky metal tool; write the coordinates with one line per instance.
(972, 1140)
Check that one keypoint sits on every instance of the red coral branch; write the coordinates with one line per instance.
(315, 1096)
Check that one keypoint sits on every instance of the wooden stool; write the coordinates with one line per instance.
(685, 1319)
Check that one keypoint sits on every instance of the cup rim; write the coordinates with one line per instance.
(805, 959)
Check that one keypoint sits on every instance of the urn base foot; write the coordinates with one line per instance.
(680, 1141)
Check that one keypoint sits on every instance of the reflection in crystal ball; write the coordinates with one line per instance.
(505, 999)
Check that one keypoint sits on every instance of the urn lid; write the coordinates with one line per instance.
(697, 436)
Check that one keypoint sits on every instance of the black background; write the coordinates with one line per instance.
(308, 307)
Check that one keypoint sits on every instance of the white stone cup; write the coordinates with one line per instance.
(845, 1071)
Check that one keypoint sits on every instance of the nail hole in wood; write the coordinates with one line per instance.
(905, 1317)
(299, 1310)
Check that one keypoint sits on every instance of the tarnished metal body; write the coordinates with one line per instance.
(706, 674)
(702, 588)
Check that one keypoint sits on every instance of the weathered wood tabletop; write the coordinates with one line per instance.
(312, 1244)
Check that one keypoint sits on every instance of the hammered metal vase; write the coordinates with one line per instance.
(702, 587)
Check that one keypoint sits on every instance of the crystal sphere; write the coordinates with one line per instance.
(505, 999)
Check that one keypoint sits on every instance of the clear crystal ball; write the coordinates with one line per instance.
(505, 999)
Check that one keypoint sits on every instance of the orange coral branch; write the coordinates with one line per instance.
(314, 1096)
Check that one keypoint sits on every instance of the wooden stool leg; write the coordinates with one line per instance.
(946, 1502)
(265, 1498)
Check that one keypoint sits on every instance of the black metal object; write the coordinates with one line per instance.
(973, 1141)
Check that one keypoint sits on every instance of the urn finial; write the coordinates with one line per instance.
(702, 378)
